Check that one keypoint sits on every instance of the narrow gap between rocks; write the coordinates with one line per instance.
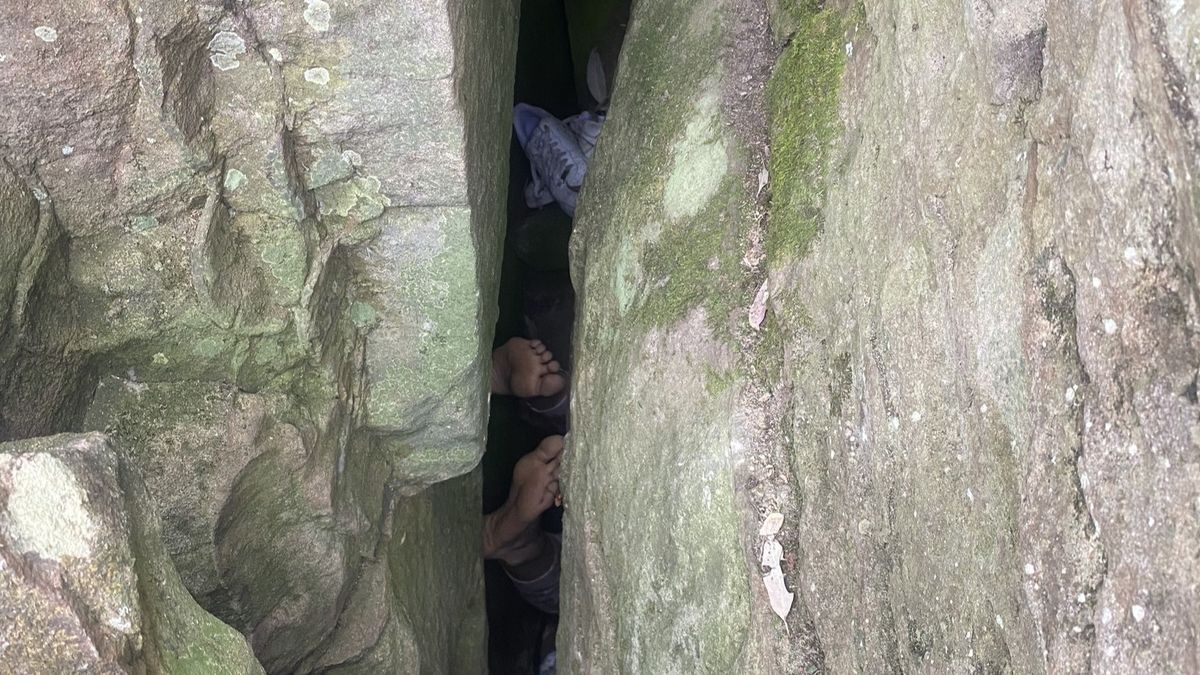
(566, 61)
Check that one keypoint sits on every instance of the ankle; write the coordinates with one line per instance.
(508, 539)
(536, 560)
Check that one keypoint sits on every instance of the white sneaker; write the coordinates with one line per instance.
(586, 126)
(559, 164)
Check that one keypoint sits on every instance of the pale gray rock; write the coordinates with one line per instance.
(194, 198)
(85, 584)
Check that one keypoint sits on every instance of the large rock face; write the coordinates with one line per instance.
(258, 243)
(85, 584)
(656, 577)
(972, 394)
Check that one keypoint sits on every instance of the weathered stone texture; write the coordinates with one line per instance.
(973, 396)
(270, 231)
(1012, 434)
(85, 584)
(655, 580)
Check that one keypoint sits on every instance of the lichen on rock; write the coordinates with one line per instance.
(654, 578)
(86, 582)
(969, 389)
(189, 192)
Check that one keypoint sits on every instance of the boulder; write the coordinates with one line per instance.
(655, 575)
(983, 321)
(224, 469)
(86, 583)
(240, 189)
(916, 391)
(191, 441)
(258, 243)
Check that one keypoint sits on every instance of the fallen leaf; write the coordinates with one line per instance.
(781, 598)
(777, 592)
(772, 553)
(771, 525)
(758, 309)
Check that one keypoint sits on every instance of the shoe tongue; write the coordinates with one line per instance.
(597, 81)
(525, 121)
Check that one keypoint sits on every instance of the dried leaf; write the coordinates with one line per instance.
(777, 592)
(771, 525)
(772, 553)
(758, 309)
(781, 598)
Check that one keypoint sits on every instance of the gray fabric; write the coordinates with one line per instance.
(541, 589)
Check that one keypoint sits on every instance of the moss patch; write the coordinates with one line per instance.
(657, 225)
(802, 99)
(697, 265)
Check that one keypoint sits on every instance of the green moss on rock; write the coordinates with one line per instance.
(802, 99)
(696, 265)
(657, 248)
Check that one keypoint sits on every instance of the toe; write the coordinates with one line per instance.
(550, 448)
(553, 367)
(537, 346)
(546, 356)
(551, 384)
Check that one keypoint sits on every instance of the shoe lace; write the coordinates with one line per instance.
(559, 158)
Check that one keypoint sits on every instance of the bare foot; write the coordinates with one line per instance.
(512, 533)
(525, 368)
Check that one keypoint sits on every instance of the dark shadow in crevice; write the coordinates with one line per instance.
(557, 39)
